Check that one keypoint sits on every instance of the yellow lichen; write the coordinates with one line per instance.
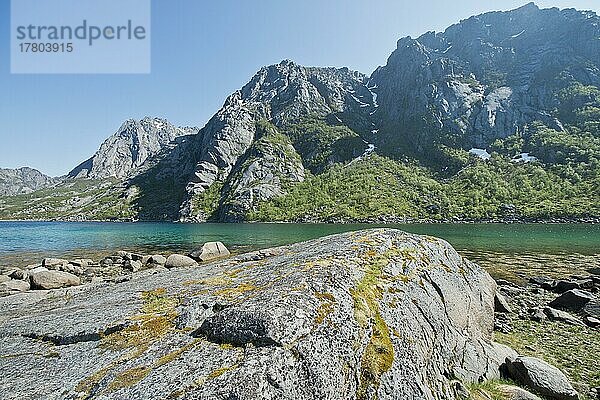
(232, 292)
(378, 356)
(128, 378)
(325, 308)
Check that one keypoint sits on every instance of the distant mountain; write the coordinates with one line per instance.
(496, 118)
(22, 181)
(125, 151)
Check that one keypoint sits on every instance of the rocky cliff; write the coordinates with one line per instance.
(22, 181)
(373, 314)
(124, 152)
(485, 78)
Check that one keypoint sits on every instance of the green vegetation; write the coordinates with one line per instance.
(207, 202)
(365, 189)
(378, 356)
(321, 145)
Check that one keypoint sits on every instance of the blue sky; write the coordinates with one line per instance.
(201, 52)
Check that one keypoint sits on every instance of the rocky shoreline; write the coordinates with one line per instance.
(360, 315)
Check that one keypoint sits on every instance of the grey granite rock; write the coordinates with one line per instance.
(53, 280)
(128, 149)
(573, 299)
(541, 377)
(178, 261)
(209, 251)
(355, 315)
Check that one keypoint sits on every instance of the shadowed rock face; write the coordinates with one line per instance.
(377, 313)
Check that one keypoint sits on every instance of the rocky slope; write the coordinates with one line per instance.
(23, 180)
(281, 95)
(373, 314)
(125, 151)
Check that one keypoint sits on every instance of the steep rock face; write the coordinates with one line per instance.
(22, 181)
(124, 152)
(486, 77)
(270, 164)
(373, 314)
(281, 94)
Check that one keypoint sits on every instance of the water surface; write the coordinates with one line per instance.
(504, 249)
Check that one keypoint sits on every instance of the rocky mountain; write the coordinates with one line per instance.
(22, 180)
(125, 151)
(485, 78)
(496, 118)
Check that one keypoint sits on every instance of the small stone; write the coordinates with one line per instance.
(563, 286)
(133, 265)
(209, 251)
(54, 280)
(592, 309)
(516, 393)
(537, 315)
(563, 316)
(14, 286)
(501, 304)
(82, 262)
(53, 263)
(592, 322)
(178, 261)
(573, 299)
(157, 259)
(145, 259)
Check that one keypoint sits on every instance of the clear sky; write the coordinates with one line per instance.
(202, 50)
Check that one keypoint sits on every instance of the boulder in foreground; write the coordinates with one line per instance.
(54, 280)
(363, 315)
(542, 378)
(179, 261)
(210, 251)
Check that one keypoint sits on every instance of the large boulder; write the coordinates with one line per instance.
(573, 299)
(542, 378)
(178, 261)
(371, 314)
(210, 251)
(54, 280)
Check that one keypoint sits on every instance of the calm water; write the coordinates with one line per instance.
(504, 249)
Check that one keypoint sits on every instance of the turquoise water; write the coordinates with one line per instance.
(494, 244)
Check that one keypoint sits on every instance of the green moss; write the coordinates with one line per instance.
(488, 390)
(378, 356)
(153, 322)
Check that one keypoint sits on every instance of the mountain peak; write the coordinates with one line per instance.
(128, 148)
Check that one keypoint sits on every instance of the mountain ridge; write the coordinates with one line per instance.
(514, 82)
